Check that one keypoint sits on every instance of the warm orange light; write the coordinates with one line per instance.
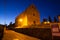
(15, 39)
(20, 20)
(46, 22)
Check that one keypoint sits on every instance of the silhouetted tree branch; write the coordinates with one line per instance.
(55, 20)
(49, 19)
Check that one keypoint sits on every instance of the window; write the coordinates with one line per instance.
(33, 14)
(34, 22)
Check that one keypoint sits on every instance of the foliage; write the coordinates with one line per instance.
(55, 19)
(11, 25)
(49, 19)
(44, 20)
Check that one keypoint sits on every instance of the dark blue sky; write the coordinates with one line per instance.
(9, 9)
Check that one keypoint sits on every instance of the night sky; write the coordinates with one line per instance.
(9, 9)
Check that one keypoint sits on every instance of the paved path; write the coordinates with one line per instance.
(11, 35)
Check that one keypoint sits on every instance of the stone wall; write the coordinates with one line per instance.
(41, 33)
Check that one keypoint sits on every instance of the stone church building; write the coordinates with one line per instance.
(29, 17)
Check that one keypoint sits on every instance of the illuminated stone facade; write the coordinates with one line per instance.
(29, 17)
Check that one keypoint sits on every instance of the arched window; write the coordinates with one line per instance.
(34, 22)
(33, 14)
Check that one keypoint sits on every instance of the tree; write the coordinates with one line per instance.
(11, 25)
(49, 19)
(44, 20)
(55, 20)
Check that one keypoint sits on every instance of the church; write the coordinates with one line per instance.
(29, 17)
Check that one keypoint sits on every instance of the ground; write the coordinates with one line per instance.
(11, 35)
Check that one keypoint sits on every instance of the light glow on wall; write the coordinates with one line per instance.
(20, 20)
